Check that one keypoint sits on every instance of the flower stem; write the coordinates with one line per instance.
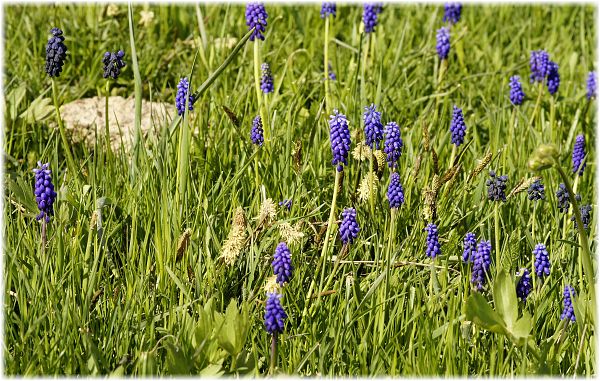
(106, 125)
(497, 237)
(44, 233)
(259, 91)
(537, 104)
(326, 64)
(273, 354)
(63, 136)
(388, 255)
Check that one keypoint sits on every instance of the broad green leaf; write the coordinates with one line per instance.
(505, 298)
(38, 110)
(479, 312)
(520, 331)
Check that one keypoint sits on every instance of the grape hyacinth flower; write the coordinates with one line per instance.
(274, 314)
(256, 17)
(56, 53)
(328, 9)
(256, 132)
(469, 247)
(331, 73)
(496, 187)
(553, 81)
(286, 204)
(539, 63)
(373, 126)
(393, 144)
(585, 211)
(568, 311)
(536, 191)
(266, 80)
(562, 196)
(339, 136)
(516, 90)
(458, 127)
(579, 155)
(542, 260)
(481, 264)
(395, 192)
(433, 245)
(44, 191)
(183, 89)
(370, 12)
(113, 63)
(349, 227)
(524, 286)
(452, 12)
(443, 42)
(591, 85)
(282, 263)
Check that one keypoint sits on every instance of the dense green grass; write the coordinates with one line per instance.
(124, 304)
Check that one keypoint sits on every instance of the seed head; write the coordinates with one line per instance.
(367, 186)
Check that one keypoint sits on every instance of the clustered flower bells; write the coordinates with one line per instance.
(349, 227)
(516, 90)
(256, 132)
(282, 263)
(591, 85)
(256, 17)
(524, 285)
(56, 53)
(373, 126)
(393, 144)
(496, 187)
(443, 42)
(458, 127)
(370, 12)
(568, 311)
(539, 63)
(553, 81)
(113, 63)
(44, 191)
(328, 9)
(266, 79)
(395, 192)
(578, 157)
(469, 247)
(542, 260)
(481, 264)
(536, 191)
(432, 249)
(183, 89)
(586, 218)
(339, 136)
(274, 314)
(562, 198)
(452, 12)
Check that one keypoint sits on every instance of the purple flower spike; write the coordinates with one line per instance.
(524, 286)
(539, 63)
(579, 155)
(370, 12)
(393, 144)
(274, 314)
(113, 63)
(266, 80)
(568, 311)
(516, 90)
(373, 126)
(458, 128)
(452, 12)
(433, 245)
(339, 136)
(328, 9)
(592, 88)
(536, 191)
(256, 133)
(183, 88)
(469, 247)
(481, 264)
(553, 81)
(395, 192)
(443, 42)
(496, 187)
(256, 17)
(44, 191)
(349, 227)
(282, 263)
(56, 53)
(542, 260)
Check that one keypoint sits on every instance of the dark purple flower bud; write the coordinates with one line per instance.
(373, 126)
(496, 187)
(256, 17)
(349, 227)
(183, 89)
(274, 314)
(256, 132)
(331, 73)
(286, 204)
(113, 63)
(56, 53)
(539, 63)
(536, 191)
(327, 9)
(370, 12)
(458, 128)
(443, 42)
(452, 12)
(542, 260)
(393, 144)
(585, 211)
(553, 81)
(395, 192)
(432, 249)
(568, 311)
(282, 263)
(516, 90)
(524, 286)
(481, 264)
(579, 155)
(562, 198)
(591, 85)
(44, 191)
(339, 136)
(469, 247)
(266, 80)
